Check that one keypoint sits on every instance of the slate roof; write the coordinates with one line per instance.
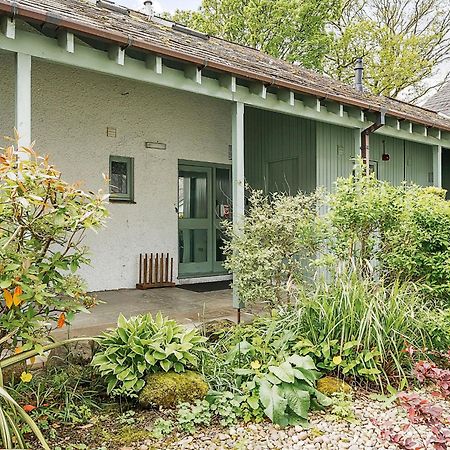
(135, 30)
(440, 102)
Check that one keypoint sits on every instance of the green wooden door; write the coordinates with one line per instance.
(204, 201)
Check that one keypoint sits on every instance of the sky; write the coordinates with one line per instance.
(162, 5)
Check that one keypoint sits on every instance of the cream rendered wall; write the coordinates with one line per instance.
(71, 111)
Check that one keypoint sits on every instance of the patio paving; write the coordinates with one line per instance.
(187, 307)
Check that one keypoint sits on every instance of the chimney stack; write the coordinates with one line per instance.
(359, 69)
(148, 7)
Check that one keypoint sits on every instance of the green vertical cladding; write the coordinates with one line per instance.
(280, 151)
(408, 161)
(335, 154)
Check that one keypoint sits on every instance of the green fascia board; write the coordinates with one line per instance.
(88, 58)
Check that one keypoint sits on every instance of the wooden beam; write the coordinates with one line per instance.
(312, 103)
(238, 176)
(335, 108)
(194, 73)
(228, 82)
(154, 63)
(23, 99)
(286, 96)
(66, 40)
(8, 27)
(355, 113)
(434, 132)
(258, 89)
(117, 54)
(437, 165)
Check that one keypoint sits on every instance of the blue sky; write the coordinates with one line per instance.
(162, 5)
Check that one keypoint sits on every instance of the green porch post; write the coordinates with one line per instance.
(238, 176)
(437, 165)
(23, 98)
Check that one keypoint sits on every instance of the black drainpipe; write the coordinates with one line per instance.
(365, 153)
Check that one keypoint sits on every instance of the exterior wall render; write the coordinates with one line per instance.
(71, 110)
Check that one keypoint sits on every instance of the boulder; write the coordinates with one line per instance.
(169, 389)
(214, 328)
(331, 385)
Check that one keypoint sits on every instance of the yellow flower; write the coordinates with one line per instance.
(18, 350)
(255, 365)
(26, 377)
(337, 360)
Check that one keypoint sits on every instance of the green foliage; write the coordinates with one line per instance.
(287, 390)
(261, 24)
(402, 43)
(12, 416)
(162, 428)
(143, 345)
(280, 234)
(190, 416)
(44, 220)
(167, 389)
(67, 395)
(364, 325)
(341, 408)
(404, 231)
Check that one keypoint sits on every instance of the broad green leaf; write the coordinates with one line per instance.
(273, 402)
(284, 372)
(298, 399)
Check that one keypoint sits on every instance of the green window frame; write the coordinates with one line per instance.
(121, 179)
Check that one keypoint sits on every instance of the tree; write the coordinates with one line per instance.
(403, 42)
(293, 30)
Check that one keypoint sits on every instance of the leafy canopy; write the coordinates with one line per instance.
(403, 43)
(293, 30)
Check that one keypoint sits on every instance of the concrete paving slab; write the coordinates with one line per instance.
(185, 306)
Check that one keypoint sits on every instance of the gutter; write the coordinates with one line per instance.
(365, 136)
(126, 41)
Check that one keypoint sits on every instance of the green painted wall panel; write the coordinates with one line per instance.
(280, 151)
(410, 161)
(335, 154)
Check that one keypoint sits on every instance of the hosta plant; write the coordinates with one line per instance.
(142, 345)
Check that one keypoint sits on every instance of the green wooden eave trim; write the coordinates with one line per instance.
(85, 57)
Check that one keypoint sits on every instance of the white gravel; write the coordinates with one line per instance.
(325, 433)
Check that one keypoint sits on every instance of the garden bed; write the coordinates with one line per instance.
(354, 430)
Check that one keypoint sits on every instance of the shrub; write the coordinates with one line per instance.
(403, 231)
(143, 345)
(43, 222)
(280, 235)
(360, 328)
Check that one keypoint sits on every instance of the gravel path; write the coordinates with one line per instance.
(325, 433)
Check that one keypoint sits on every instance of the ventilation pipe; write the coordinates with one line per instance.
(359, 69)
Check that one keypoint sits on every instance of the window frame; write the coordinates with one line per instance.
(129, 196)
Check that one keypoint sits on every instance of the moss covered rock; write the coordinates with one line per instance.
(169, 389)
(331, 385)
(214, 328)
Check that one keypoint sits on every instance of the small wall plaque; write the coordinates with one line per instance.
(111, 132)
(156, 145)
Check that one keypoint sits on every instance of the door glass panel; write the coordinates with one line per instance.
(193, 246)
(192, 195)
(220, 242)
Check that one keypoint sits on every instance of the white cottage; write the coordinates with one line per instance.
(179, 120)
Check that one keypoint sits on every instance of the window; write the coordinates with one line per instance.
(121, 182)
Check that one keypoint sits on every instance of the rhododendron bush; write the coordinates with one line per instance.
(43, 220)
